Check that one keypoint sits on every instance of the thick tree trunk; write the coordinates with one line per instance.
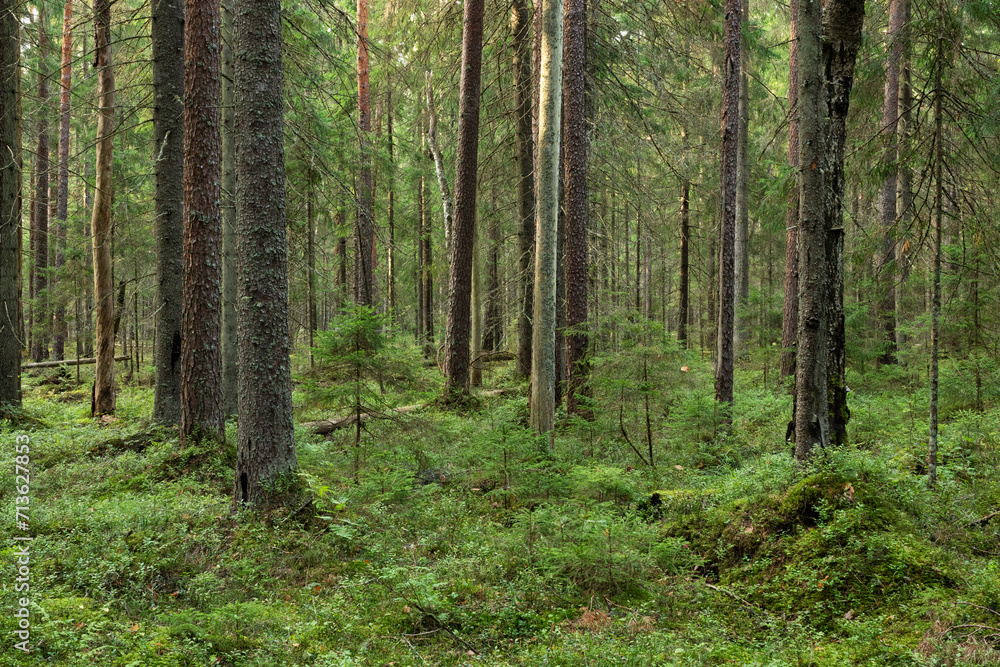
(742, 268)
(524, 150)
(265, 458)
(202, 417)
(576, 203)
(790, 314)
(10, 208)
(727, 236)
(168, 151)
(230, 342)
(684, 307)
(887, 196)
(364, 226)
(457, 337)
(100, 224)
(543, 363)
(61, 329)
(40, 333)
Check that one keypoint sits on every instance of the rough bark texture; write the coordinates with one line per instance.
(493, 309)
(576, 203)
(684, 306)
(520, 27)
(426, 276)
(100, 223)
(742, 268)
(727, 227)
(390, 216)
(457, 337)
(168, 147)
(265, 459)
(61, 330)
(810, 419)
(887, 195)
(10, 208)
(790, 315)
(201, 322)
(842, 23)
(364, 226)
(543, 366)
(230, 344)
(40, 333)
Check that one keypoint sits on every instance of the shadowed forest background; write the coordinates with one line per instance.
(454, 333)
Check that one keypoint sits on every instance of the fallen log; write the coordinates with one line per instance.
(68, 362)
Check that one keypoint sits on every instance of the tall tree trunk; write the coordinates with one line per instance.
(842, 24)
(684, 307)
(391, 247)
(426, 277)
(311, 264)
(40, 335)
(887, 198)
(476, 330)
(265, 458)
(466, 175)
(364, 227)
(442, 178)
(202, 417)
(576, 203)
(790, 313)
(727, 235)
(100, 223)
(230, 342)
(932, 440)
(904, 130)
(742, 247)
(61, 329)
(543, 363)
(10, 208)
(168, 147)
(524, 151)
(493, 310)
(338, 222)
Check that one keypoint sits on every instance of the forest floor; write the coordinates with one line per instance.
(448, 538)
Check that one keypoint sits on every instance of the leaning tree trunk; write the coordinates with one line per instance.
(230, 343)
(364, 229)
(10, 208)
(265, 458)
(520, 28)
(842, 23)
(576, 204)
(543, 363)
(100, 223)
(727, 227)
(40, 333)
(202, 418)
(61, 330)
(457, 335)
(168, 147)
(790, 314)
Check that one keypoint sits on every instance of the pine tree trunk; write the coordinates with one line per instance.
(727, 236)
(524, 152)
(742, 267)
(311, 264)
(426, 277)
(684, 307)
(457, 337)
(40, 333)
(100, 224)
(905, 128)
(576, 203)
(230, 342)
(202, 417)
(390, 219)
(932, 440)
(61, 330)
(476, 330)
(493, 311)
(543, 363)
(265, 459)
(364, 229)
(10, 208)
(790, 313)
(168, 146)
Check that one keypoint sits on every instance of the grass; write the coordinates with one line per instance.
(458, 539)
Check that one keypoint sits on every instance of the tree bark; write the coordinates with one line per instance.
(10, 208)
(202, 418)
(40, 333)
(168, 147)
(524, 151)
(543, 363)
(932, 440)
(265, 458)
(457, 337)
(576, 203)
(742, 247)
(100, 223)
(390, 215)
(727, 240)
(61, 329)
(493, 310)
(684, 307)
(442, 178)
(230, 342)
(790, 313)
(364, 229)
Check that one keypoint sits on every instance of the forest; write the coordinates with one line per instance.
(533, 332)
